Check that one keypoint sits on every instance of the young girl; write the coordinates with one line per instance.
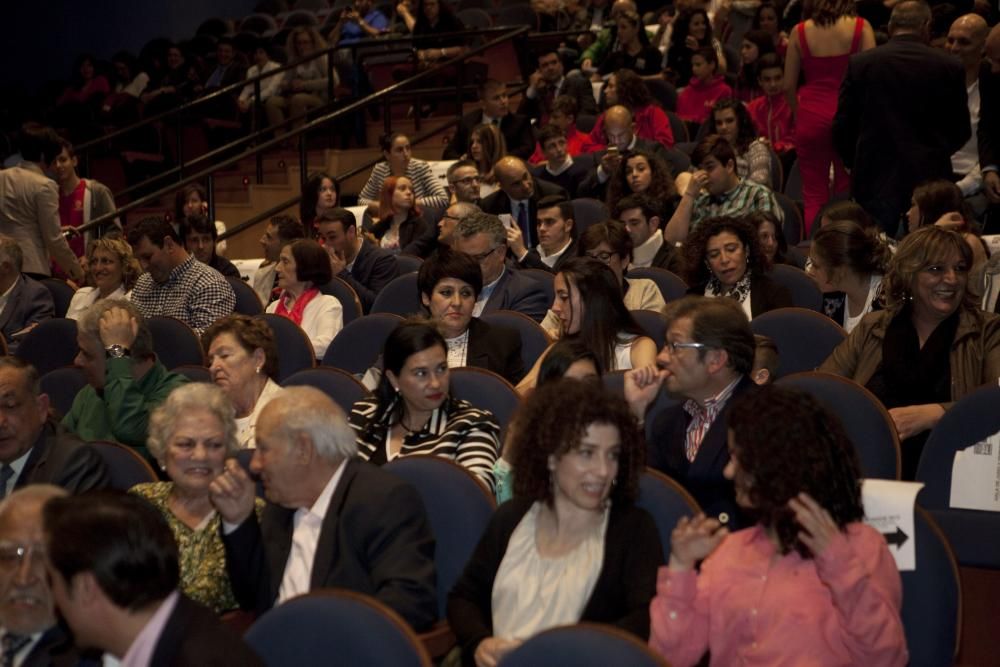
(706, 87)
(756, 43)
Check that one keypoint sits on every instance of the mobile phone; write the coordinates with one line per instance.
(507, 219)
(612, 151)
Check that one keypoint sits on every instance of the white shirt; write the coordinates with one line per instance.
(642, 257)
(550, 260)
(17, 465)
(873, 287)
(308, 523)
(246, 427)
(85, 297)
(563, 167)
(485, 294)
(268, 86)
(458, 350)
(322, 319)
(965, 161)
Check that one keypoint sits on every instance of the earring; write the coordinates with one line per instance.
(258, 369)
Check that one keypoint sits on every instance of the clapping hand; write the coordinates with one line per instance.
(693, 540)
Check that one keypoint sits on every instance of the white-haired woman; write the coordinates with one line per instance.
(191, 435)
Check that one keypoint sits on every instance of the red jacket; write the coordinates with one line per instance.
(651, 124)
(774, 121)
(696, 100)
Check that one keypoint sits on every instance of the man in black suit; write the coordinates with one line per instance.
(902, 113)
(34, 448)
(643, 217)
(556, 237)
(560, 168)
(29, 301)
(548, 82)
(353, 258)
(114, 567)
(518, 196)
(516, 128)
(484, 237)
(332, 520)
(706, 361)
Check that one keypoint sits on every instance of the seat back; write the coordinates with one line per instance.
(62, 385)
(247, 301)
(792, 226)
(339, 385)
(672, 286)
(667, 501)
(174, 342)
(804, 338)
(458, 506)
(359, 343)
(474, 18)
(677, 127)
(487, 391)
(932, 636)
(409, 263)
(805, 291)
(587, 212)
(515, 15)
(583, 645)
(534, 340)
(352, 628)
(865, 419)
(654, 324)
(295, 351)
(61, 293)
(400, 296)
(50, 345)
(126, 467)
(341, 290)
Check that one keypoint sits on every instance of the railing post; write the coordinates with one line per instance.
(210, 192)
(303, 166)
(180, 148)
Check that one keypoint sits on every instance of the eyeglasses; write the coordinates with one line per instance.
(674, 346)
(11, 555)
(468, 180)
(483, 255)
(601, 256)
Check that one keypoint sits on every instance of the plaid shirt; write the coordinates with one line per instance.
(741, 200)
(194, 294)
(702, 418)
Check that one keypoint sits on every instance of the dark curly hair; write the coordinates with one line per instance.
(696, 246)
(785, 442)
(310, 193)
(747, 132)
(631, 90)
(554, 421)
(661, 185)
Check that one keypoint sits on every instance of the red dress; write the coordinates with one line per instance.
(814, 123)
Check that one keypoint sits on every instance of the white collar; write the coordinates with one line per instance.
(550, 260)
(643, 255)
(563, 167)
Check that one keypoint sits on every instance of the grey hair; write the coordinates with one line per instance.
(90, 324)
(465, 209)
(10, 252)
(910, 16)
(308, 410)
(33, 493)
(185, 400)
(485, 223)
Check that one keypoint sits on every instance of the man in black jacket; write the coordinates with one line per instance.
(518, 197)
(366, 267)
(548, 82)
(516, 128)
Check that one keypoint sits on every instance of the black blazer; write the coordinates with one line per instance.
(516, 131)
(533, 260)
(375, 540)
(988, 133)
(495, 348)
(373, 269)
(902, 113)
(702, 477)
(575, 86)
(498, 203)
(194, 635)
(29, 302)
(765, 295)
(669, 258)
(570, 179)
(520, 293)
(55, 648)
(59, 457)
(621, 596)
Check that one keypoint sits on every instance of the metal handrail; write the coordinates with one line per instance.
(302, 130)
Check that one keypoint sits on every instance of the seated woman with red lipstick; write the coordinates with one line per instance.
(412, 411)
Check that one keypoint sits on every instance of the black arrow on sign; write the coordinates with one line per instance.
(898, 538)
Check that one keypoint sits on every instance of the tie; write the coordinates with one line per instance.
(6, 472)
(11, 645)
(522, 222)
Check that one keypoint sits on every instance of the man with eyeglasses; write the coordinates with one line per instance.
(463, 182)
(705, 362)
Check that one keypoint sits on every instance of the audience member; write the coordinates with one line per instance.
(269, 87)
(303, 267)
(307, 86)
(33, 447)
(80, 201)
(940, 202)
(170, 86)
(766, 19)
(427, 21)
(191, 435)
(518, 197)
(24, 302)
(765, 361)
(967, 40)
(706, 87)
(243, 360)
(446, 226)
(113, 562)
(706, 362)
(549, 82)
(643, 172)
(128, 82)
(809, 543)
(619, 131)
(609, 243)
(353, 258)
(988, 132)
(125, 380)
(192, 199)
(556, 237)
(930, 346)
(642, 216)
(560, 167)
(894, 149)
(571, 546)
(626, 88)
(229, 66)
(633, 52)
(821, 47)
(111, 274)
(594, 19)
(174, 283)
(88, 85)
(724, 258)
(755, 45)
(399, 222)
(692, 32)
(494, 110)
(849, 264)
(486, 147)
(280, 231)
(772, 241)
(319, 194)
(772, 116)
(413, 412)
(730, 120)
(463, 182)
(427, 188)
(483, 236)
(29, 206)
(200, 238)
(332, 520)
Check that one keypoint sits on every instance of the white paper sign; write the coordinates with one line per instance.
(889, 510)
(975, 476)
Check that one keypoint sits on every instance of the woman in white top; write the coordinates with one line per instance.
(428, 189)
(588, 304)
(302, 267)
(848, 262)
(243, 359)
(571, 546)
(262, 64)
(111, 273)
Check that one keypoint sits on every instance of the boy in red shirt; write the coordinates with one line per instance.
(696, 100)
(771, 114)
(564, 116)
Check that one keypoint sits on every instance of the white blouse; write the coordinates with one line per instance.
(85, 297)
(246, 427)
(322, 319)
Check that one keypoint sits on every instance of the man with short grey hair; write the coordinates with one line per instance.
(332, 520)
(24, 302)
(125, 380)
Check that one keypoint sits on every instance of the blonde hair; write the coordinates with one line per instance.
(119, 247)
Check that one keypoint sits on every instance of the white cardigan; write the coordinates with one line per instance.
(322, 320)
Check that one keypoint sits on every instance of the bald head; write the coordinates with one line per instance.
(993, 49)
(618, 127)
(514, 178)
(621, 6)
(966, 40)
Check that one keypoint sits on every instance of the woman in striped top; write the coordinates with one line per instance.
(429, 190)
(413, 413)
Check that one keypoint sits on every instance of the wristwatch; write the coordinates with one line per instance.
(117, 351)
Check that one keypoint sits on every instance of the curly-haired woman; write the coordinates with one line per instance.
(809, 579)
(571, 546)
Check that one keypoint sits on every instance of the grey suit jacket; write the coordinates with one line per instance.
(59, 458)
(519, 293)
(30, 302)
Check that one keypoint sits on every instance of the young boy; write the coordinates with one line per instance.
(695, 101)
(771, 114)
(563, 116)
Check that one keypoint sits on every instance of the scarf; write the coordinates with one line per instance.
(740, 291)
(295, 314)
